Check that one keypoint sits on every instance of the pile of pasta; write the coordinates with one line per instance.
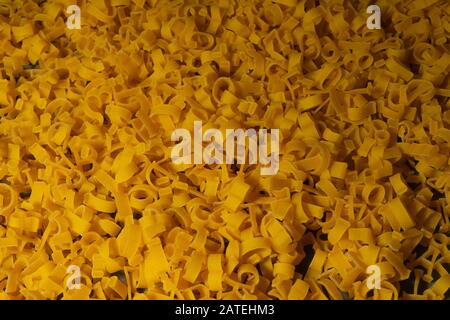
(86, 177)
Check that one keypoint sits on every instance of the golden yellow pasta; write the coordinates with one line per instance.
(93, 207)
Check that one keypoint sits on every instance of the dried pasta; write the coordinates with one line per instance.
(86, 178)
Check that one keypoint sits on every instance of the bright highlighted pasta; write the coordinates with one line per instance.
(87, 180)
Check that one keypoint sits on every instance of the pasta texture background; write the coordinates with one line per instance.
(86, 177)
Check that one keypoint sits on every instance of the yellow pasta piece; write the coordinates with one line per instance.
(99, 204)
(299, 290)
(398, 184)
(194, 266)
(338, 231)
(215, 272)
(400, 214)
